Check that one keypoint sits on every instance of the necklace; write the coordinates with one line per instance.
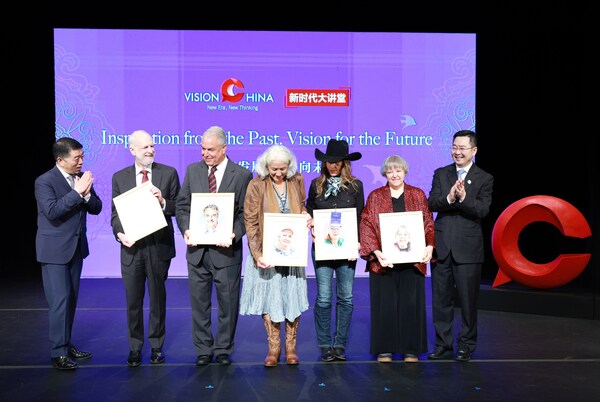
(281, 197)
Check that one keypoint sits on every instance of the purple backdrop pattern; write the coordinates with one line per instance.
(409, 92)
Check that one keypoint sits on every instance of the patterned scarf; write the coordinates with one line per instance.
(333, 186)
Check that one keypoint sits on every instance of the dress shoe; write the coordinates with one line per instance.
(78, 354)
(63, 363)
(339, 353)
(135, 358)
(157, 357)
(223, 359)
(327, 354)
(203, 360)
(440, 353)
(384, 358)
(463, 355)
(410, 358)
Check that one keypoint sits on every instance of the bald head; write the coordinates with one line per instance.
(142, 148)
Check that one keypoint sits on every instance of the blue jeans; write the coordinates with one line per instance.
(344, 274)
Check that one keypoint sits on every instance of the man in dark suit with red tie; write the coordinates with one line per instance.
(147, 259)
(64, 197)
(220, 264)
(461, 194)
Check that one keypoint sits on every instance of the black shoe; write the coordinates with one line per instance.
(339, 353)
(223, 359)
(203, 360)
(440, 353)
(135, 358)
(157, 357)
(327, 354)
(463, 355)
(63, 363)
(78, 354)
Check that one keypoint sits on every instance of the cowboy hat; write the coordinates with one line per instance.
(337, 151)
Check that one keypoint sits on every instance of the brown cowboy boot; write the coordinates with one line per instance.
(291, 331)
(274, 340)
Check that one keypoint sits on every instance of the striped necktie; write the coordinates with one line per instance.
(212, 180)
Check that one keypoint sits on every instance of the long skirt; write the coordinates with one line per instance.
(398, 315)
(280, 292)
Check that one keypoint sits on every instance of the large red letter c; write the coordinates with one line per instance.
(505, 236)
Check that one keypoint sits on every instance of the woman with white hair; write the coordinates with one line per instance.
(277, 293)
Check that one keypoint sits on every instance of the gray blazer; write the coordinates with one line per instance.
(235, 180)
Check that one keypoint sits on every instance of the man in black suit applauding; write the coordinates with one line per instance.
(149, 258)
(64, 196)
(461, 194)
(220, 264)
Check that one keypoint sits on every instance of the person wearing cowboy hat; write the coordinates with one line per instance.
(336, 187)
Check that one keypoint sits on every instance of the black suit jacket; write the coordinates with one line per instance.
(458, 225)
(61, 219)
(235, 180)
(166, 179)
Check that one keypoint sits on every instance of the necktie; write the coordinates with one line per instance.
(144, 176)
(71, 180)
(461, 174)
(212, 180)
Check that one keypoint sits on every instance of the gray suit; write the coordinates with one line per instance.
(148, 259)
(208, 264)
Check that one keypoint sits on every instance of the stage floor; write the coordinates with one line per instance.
(520, 357)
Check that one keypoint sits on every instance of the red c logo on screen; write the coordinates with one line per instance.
(505, 236)
(227, 90)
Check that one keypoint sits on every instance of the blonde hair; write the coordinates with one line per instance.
(393, 161)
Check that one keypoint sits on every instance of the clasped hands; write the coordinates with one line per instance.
(83, 184)
(458, 192)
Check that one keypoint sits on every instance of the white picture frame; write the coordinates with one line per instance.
(289, 231)
(396, 223)
(139, 212)
(204, 207)
(344, 246)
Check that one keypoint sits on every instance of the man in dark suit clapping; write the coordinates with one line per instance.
(64, 196)
(149, 258)
(461, 194)
(220, 264)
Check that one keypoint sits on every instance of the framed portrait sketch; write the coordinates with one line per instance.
(285, 240)
(211, 218)
(402, 236)
(336, 234)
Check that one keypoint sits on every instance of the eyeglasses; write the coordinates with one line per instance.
(461, 148)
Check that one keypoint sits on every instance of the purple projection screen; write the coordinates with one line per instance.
(385, 93)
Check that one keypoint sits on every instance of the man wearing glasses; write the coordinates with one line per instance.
(461, 194)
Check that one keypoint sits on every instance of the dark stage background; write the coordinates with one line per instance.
(533, 114)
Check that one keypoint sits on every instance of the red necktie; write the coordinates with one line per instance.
(145, 176)
(212, 180)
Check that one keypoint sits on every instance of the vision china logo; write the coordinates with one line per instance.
(227, 90)
(232, 91)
